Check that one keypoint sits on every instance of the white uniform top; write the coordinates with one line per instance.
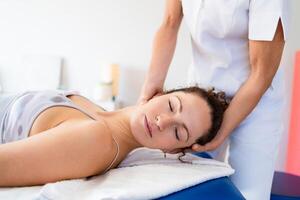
(220, 31)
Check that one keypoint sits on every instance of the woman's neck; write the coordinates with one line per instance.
(119, 123)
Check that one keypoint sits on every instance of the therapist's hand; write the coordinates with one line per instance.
(264, 58)
(149, 90)
(212, 145)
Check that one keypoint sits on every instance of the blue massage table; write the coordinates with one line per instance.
(216, 189)
(285, 186)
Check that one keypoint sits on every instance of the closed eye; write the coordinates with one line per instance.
(170, 106)
(176, 134)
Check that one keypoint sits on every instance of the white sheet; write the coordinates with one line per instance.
(144, 174)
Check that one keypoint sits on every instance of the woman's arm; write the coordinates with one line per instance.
(74, 149)
(265, 58)
(163, 50)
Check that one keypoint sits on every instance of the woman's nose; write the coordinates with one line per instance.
(164, 121)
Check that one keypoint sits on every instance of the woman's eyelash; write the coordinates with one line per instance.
(176, 131)
(170, 106)
(176, 134)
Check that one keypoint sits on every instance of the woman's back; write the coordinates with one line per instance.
(74, 149)
(32, 112)
(71, 139)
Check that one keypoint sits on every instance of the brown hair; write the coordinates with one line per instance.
(218, 104)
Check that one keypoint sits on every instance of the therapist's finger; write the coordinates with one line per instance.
(145, 97)
(211, 146)
(198, 148)
(189, 150)
(214, 144)
(142, 101)
(157, 94)
(207, 147)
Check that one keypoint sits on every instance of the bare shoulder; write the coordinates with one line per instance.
(102, 135)
(73, 149)
(99, 148)
(95, 129)
(100, 142)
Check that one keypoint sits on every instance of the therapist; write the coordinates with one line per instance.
(236, 48)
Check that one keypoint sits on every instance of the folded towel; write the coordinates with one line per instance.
(144, 174)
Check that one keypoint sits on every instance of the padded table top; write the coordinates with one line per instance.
(221, 188)
(285, 186)
(216, 189)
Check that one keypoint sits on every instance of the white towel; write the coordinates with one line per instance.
(144, 174)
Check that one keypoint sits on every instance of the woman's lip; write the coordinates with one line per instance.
(147, 126)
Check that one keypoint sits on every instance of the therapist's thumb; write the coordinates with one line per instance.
(146, 96)
(149, 90)
(142, 101)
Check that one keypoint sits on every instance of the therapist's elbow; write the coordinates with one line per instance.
(171, 22)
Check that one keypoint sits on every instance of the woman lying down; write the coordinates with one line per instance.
(48, 136)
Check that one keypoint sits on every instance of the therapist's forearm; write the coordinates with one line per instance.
(265, 57)
(162, 53)
(244, 102)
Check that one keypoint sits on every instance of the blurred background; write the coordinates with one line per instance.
(92, 45)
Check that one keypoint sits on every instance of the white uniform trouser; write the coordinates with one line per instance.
(253, 148)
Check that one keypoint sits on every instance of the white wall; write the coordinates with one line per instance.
(88, 33)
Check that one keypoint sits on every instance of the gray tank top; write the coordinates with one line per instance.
(26, 107)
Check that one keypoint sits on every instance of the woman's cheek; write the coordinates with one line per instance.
(167, 144)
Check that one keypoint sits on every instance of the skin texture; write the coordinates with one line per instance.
(56, 154)
(264, 58)
(80, 146)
